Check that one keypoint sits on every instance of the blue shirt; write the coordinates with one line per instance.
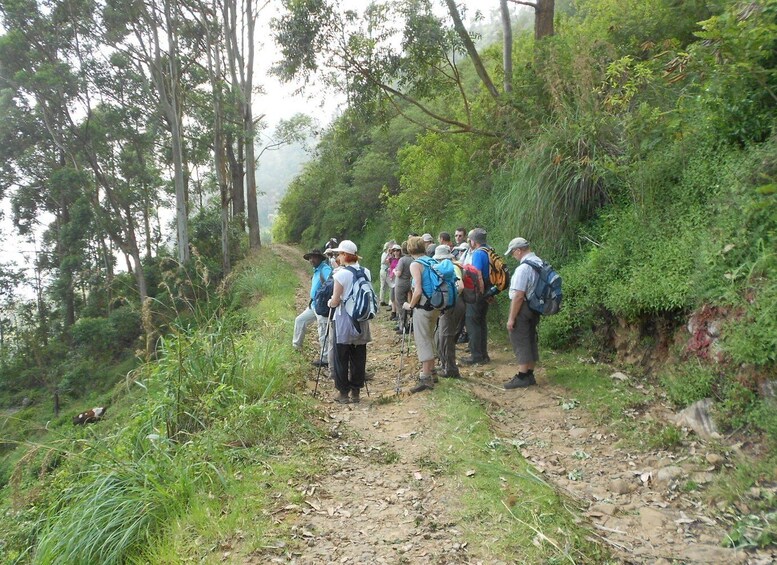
(321, 273)
(480, 262)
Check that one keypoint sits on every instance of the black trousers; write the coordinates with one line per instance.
(350, 366)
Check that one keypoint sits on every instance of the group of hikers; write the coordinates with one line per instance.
(439, 292)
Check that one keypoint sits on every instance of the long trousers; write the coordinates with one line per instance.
(447, 330)
(303, 322)
(477, 328)
(350, 366)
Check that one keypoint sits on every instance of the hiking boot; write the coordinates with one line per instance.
(521, 380)
(471, 361)
(384, 304)
(342, 398)
(393, 316)
(463, 338)
(355, 392)
(452, 375)
(424, 383)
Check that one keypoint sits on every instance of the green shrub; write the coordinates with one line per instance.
(736, 406)
(126, 325)
(688, 383)
(97, 336)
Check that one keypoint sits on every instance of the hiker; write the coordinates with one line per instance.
(444, 238)
(403, 281)
(329, 252)
(461, 247)
(429, 243)
(476, 314)
(385, 291)
(321, 272)
(522, 321)
(448, 326)
(350, 350)
(424, 320)
(395, 252)
(460, 252)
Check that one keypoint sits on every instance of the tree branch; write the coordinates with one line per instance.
(470, 46)
(532, 4)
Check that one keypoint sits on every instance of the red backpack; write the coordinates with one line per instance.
(473, 283)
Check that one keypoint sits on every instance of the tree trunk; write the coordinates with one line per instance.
(213, 53)
(236, 176)
(254, 235)
(507, 49)
(174, 117)
(543, 18)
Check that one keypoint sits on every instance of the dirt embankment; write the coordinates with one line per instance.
(375, 505)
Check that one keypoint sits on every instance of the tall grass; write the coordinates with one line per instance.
(219, 392)
(556, 183)
(118, 507)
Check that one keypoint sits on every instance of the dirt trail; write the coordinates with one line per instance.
(376, 505)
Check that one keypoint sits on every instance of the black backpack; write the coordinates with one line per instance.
(322, 296)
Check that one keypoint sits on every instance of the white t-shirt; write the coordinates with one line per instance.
(525, 277)
(344, 328)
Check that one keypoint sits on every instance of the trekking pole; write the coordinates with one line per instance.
(323, 348)
(401, 355)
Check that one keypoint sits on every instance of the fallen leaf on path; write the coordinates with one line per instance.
(471, 472)
(313, 505)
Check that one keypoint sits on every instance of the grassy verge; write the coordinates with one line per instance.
(508, 508)
(612, 402)
(195, 443)
(743, 491)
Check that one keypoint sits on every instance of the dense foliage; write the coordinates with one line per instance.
(636, 150)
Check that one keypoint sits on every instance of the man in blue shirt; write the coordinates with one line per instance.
(321, 272)
(475, 318)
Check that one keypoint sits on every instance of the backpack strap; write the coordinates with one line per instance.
(536, 266)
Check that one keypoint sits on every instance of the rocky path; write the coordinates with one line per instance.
(377, 505)
(635, 500)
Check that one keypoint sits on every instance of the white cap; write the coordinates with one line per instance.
(346, 246)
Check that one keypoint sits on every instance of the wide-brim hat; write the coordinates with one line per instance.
(396, 247)
(314, 253)
(442, 252)
(347, 246)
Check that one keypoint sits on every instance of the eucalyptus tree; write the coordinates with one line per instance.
(40, 94)
(150, 34)
(210, 16)
(240, 18)
(397, 54)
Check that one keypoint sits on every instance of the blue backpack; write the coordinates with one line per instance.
(547, 295)
(361, 304)
(438, 283)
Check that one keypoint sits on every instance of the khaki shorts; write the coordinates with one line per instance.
(424, 324)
